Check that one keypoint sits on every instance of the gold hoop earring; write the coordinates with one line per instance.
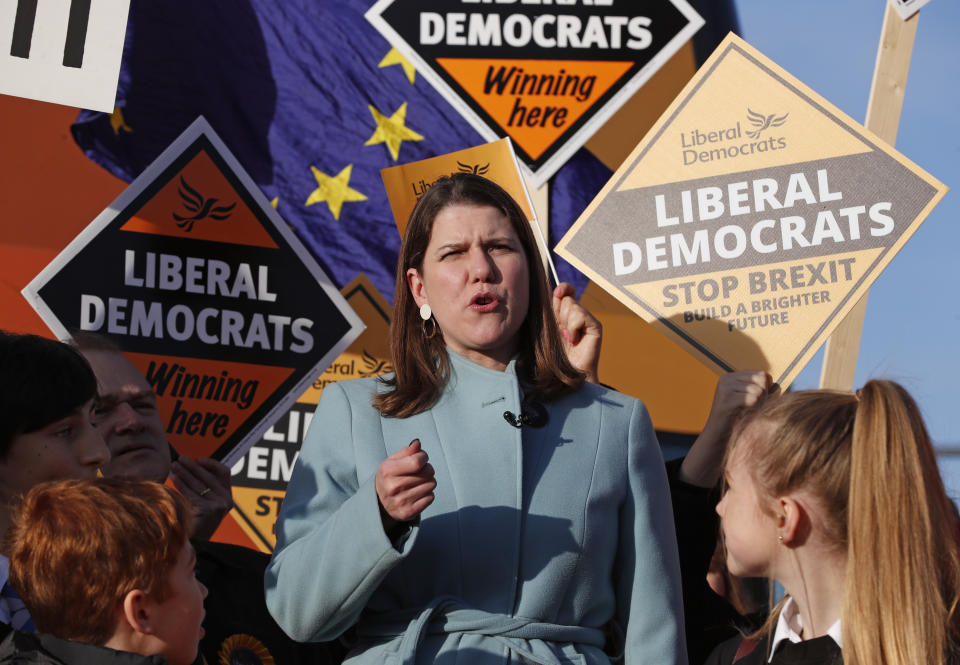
(433, 328)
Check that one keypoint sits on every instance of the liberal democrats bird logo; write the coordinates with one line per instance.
(476, 169)
(762, 122)
(202, 208)
(373, 366)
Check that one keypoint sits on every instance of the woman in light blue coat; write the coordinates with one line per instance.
(485, 504)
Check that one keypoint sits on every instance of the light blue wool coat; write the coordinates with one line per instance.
(536, 540)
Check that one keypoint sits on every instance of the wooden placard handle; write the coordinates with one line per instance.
(883, 119)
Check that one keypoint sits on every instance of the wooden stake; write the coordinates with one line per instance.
(883, 119)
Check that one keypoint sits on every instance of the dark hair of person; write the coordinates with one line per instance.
(41, 381)
(420, 364)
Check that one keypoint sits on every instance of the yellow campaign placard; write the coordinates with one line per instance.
(406, 183)
(751, 218)
(260, 477)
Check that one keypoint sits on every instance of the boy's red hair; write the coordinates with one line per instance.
(77, 547)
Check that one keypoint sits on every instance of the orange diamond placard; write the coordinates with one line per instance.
(751, 218)
(196, 278)
(546, 75)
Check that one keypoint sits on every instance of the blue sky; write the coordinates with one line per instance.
(912, 328)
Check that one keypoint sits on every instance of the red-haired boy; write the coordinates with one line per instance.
(106, 566)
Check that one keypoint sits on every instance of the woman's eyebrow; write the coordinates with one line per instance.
(451, 245)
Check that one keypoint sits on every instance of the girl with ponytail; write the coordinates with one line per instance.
(838, 498)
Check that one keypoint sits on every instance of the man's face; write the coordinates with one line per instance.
(128, 419)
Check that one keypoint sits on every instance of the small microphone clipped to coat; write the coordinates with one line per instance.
(532, 414)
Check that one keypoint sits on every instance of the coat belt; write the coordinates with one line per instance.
(448, 614)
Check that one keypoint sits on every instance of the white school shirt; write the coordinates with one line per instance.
(790, 626)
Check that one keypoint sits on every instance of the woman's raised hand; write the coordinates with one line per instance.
(405, 485)
(735, 391)
(581, 331)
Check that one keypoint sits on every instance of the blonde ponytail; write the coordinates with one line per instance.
(869, 460)
(903, 570)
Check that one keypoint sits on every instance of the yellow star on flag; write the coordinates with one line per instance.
(391, 130)
(393, 57)
(117, 121)
(334, 191)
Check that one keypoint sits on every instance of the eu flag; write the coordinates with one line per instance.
(313, 102)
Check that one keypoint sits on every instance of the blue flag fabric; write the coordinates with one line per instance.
(297, 91)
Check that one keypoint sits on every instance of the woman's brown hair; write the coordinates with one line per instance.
(420, 364)
(869, 460)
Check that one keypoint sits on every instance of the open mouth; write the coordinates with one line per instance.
(484, 302)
